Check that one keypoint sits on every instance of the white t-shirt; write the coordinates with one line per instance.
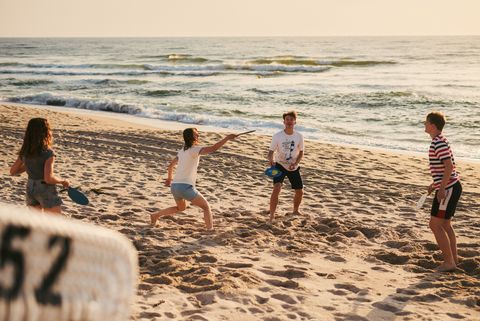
(188, 160)
(287, 147)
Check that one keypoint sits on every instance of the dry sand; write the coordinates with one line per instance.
(359, 251)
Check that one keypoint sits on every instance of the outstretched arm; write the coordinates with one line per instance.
(171, 166)
(216, 146)
(18, 167)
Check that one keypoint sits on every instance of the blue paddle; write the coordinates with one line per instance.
(77, 196)
(273, 172)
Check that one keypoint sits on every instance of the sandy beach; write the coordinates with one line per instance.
(359, 251)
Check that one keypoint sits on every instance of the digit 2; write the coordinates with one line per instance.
(43, 293)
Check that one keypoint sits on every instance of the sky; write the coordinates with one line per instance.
(205, 18)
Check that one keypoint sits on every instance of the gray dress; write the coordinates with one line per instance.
(39, 193)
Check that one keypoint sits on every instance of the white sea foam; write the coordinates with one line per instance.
(81, 103)
(365, 91)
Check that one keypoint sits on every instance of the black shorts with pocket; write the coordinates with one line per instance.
(293, 176)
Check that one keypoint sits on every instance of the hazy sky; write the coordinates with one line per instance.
(152, 18)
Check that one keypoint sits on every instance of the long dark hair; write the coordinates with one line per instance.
(38, 138)
(188, 137)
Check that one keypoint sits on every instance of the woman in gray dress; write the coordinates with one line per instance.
(37, 158)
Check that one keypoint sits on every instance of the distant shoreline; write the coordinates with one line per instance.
(173, 125)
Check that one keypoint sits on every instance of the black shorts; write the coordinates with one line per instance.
(293, 176)
(446, 209)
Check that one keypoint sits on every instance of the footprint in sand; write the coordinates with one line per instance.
(289, 273)
(395, 244)
(255, 310)
(385, 307)
(470, 266)
(353, 233)
(255, 259)
(149, 315)
(392, 257)
(335, 258)
(284, 297)
(289, 284)
(238, 265)
(110, 217)
(349, 317)
(348, 287)
(206, 298)
(206, 259)
(427, 298)
(261, 300)
(326, 275)
(163, 279)
(455, 316)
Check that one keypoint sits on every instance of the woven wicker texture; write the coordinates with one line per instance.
(54, 268)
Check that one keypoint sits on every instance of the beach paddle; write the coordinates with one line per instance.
(273, 172)
(421, 201)
(244, 133)
(77, 196)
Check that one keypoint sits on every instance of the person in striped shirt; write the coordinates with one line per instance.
(447, 187)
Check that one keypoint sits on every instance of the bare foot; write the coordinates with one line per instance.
(271, 218)
(446, 268)
(296, 213)
(153, 219)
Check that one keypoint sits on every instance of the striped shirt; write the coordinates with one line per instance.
(438, 152)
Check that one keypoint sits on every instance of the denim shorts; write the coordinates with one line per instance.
(43, 194)
(183, 191)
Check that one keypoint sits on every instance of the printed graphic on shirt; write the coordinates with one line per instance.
(288, 147)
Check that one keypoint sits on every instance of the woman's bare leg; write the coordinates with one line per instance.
(53, 210)
(181, 206)
(201, 202)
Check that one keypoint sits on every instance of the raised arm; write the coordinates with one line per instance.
(171, 166)
(216, 146)
(18, 167)
(48, 174)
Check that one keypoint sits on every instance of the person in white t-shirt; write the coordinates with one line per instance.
(182, 185)
(287, 146)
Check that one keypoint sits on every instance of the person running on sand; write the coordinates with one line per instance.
(37, 158)
(288, 145)
(448, 189)
(182, 186)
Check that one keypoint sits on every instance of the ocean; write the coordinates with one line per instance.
(364, 91)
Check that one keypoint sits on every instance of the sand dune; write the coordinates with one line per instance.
(359, 251)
